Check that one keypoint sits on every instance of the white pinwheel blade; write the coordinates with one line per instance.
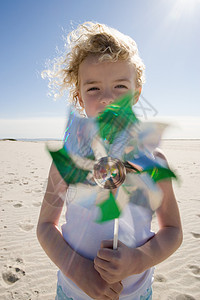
(147, 135)
(118, 147)
(102, 195)
(81, 194)
(83, 163)
(122, 198)
(150, 135)
(79, 134)
(144, 182)
(98, 148)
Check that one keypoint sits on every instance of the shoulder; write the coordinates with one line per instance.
(55, 181)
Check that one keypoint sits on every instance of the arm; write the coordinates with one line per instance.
(118, 264)
(74, 266)
(169, 236)
(48, 232)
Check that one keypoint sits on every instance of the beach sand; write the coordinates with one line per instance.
(27, 273)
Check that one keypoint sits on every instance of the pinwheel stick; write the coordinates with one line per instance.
(116, 229)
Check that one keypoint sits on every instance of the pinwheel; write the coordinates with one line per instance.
(112, 153)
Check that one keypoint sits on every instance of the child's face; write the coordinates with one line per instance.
(100, 83)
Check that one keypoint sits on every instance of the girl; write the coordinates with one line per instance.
(101, 65)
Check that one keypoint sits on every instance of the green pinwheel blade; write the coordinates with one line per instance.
(160, 173)
(66, 167)
(116, 117)
(109, 209)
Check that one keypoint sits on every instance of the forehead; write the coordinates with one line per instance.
(93, 67)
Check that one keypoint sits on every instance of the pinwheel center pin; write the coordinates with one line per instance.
(109, 173)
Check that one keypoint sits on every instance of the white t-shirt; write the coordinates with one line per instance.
(84, 235)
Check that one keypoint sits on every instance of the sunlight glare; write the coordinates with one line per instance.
(183, 8)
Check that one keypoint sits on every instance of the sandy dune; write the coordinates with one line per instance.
(27, 273)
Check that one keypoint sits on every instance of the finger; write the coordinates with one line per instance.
(104, 264)
(117, 287)
(107, 244)
(105, 254)
(108, 254)
(111, 294)
(104, 297)
(108, 296)
(102, 273)
(109, 278)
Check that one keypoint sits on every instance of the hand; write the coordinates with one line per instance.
(94, 285)
(115, 265)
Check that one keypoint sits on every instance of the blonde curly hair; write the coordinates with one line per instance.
(91, 39)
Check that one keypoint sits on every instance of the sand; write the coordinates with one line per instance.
(27, 273)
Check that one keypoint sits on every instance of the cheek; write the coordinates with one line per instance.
(91, 107)
(120, 93)
(91, 101)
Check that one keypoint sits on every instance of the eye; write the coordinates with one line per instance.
(93, 89)
(121, 86)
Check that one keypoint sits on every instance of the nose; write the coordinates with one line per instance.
(107, 98)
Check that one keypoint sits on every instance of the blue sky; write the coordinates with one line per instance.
(166, 31)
